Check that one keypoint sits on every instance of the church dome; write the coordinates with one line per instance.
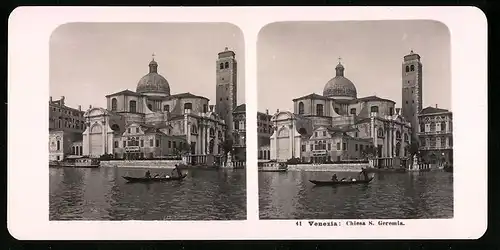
(153, 82)
(339, 86)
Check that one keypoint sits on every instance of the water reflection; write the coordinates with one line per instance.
(102, 194)
(389, 196)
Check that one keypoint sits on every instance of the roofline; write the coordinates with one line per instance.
(309, 95)
(436, 113)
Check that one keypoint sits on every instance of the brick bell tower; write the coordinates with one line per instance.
(412, 89)
(226, 90)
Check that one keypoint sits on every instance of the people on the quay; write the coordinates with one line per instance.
(148, 174)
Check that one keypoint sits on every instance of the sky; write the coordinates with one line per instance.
(91, 60)
(295, 59)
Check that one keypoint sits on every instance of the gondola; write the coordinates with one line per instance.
(340, 183)
(153, 179)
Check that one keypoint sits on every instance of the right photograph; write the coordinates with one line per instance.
(355, 120)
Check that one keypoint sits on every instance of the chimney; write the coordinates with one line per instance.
(436, 105)
(50, 99)
(79, 107)
(277, 110)
(267, 111)
(62, 100)
(90, 106)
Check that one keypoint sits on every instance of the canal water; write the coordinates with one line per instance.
(415, 195)
(102, 194)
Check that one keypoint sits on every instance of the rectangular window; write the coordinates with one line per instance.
(151, 142)
(137, 130)
(344, 146)
(338, 145)
(142, 143)
(356, 147)
(128, 130)
(303, 148)
(311, 147)
(174, 144)
(124, 143)
(316, 134)
(157, 143)
(324, 133)
(116, 144)
(329, 146)
(169, 144)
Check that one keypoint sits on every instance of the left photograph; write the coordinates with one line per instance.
(146, 122)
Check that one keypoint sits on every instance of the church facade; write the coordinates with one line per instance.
(153, 123)
(338, 126)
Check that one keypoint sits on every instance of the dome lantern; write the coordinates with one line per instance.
(340, 87)
(153, 83)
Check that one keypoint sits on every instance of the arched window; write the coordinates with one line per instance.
(114, 104)
(319, 109)
(226, 65)
(221, 66)
(133, 106)
(398, 135)
(422, 128)
(374, 109)
(412, 68)
(188, 105)
(398, 148)
(58, 145)
(212, 132)
(302, 131)
(407, 68)
(301, 108)
(443, 126)
(380, 132)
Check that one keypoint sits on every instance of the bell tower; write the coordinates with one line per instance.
(226, 73)
(412, 89)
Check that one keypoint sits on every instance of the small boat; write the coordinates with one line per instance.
(81, 162)
(54, 164)
(153, 179)
(272, 167)
(338, 183)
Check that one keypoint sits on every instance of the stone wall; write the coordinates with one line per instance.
(350, 167)
(169, 164)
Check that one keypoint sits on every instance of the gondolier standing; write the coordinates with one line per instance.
(365, 175)
(177, 169)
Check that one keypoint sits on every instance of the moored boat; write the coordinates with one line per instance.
(81, 162)
(153, 179)
(272, 166)
(54, 164)
(340, 183)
